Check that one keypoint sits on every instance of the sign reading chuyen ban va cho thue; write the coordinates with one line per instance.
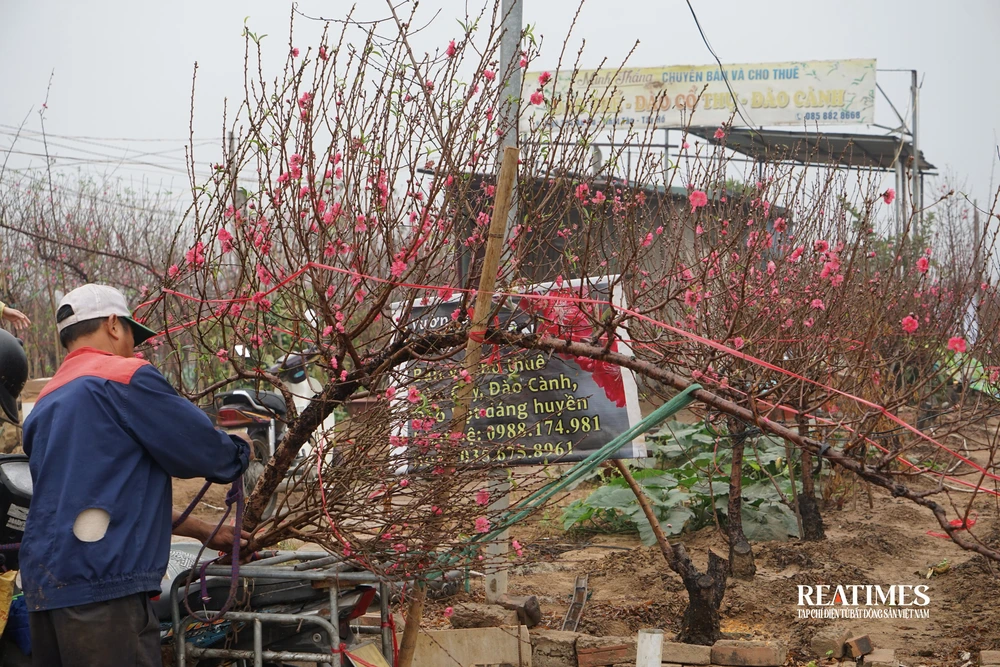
(529, 407)
(809, 92)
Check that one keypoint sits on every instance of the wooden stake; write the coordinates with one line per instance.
(473, 354)
(487, 281)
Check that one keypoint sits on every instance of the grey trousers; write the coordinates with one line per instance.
(118, 633)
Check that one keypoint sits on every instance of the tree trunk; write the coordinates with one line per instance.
(701, 623)
(741, 564)
(812, 520)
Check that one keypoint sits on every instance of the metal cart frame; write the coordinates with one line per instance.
(313, 567)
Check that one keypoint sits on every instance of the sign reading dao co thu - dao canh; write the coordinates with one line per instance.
(530, 407)
(812, 92)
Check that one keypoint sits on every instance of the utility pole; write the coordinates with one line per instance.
(976, 236)
(239, 199)
(900, 197)
(510, 52)
(915, 192)
(978, 270)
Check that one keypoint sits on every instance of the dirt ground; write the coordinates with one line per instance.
(632, 587)
(211, 507)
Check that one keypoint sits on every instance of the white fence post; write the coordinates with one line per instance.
(649, 649)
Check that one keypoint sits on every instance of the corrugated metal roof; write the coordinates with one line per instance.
(848, 150)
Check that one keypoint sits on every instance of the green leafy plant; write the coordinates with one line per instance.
(688, 487)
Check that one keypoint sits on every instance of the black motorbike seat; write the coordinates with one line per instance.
(272, 401)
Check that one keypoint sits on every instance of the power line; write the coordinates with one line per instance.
(120, 161)
(117, 163)
(80, 161)
(90, 195)
(130, 159)
(163, 153)
(725, 77)
(183, 140)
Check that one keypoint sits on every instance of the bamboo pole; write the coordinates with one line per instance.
(473, 355)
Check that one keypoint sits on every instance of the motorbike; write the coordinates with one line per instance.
(262, 595)
(263, 415)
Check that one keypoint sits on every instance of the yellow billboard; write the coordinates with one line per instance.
(813, 92)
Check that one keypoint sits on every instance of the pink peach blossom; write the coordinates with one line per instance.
(698, 199)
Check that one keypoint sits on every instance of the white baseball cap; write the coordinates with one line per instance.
(91, 302)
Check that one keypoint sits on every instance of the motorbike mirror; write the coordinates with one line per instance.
(242, 351)
(311, 318)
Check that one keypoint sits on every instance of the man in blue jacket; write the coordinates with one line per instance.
(104, 439)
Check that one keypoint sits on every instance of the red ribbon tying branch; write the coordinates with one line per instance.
(958, 525)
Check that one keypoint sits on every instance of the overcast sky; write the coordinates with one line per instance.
(123, 68)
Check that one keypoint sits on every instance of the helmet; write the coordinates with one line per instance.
(13, 374)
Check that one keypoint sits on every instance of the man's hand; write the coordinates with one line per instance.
(17, 318)
(223, 540)
(201, 530)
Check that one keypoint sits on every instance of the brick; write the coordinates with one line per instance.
(475, 615)
(686, 654)
(553, 648)
(739, 653)
(468, 648)
(373, 619)
(602, 651)
(670, 664)
(859, 646)
(989, 657)
(829, 642)
(882, 657)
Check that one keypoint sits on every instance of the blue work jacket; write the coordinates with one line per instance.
(108, 433)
